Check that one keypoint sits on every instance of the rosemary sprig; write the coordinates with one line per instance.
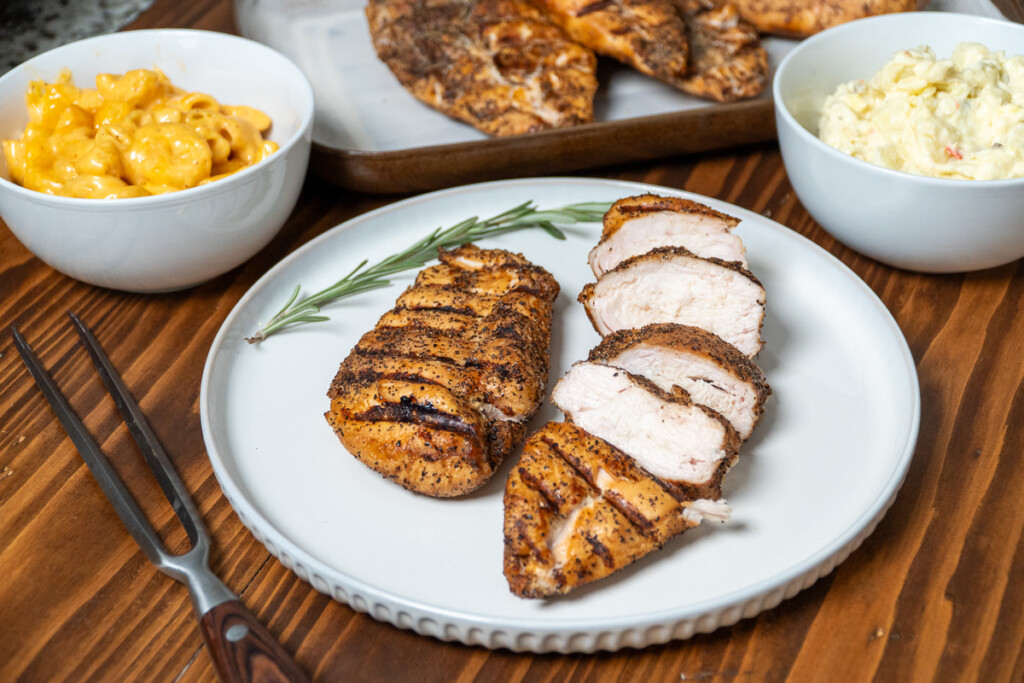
(365, 278)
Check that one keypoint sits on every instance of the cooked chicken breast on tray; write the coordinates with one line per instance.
(439, 392)
(499, 65)
(648, 35)
(578, 510)
(671, 284)
(635, 225)
(727, 60)
(683, 443)
(712, 372)
(801, 18)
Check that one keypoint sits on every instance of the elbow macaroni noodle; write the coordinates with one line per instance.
(132, 136)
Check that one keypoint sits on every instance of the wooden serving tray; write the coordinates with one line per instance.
(370, 135)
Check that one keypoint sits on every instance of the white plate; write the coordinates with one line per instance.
(811, 484)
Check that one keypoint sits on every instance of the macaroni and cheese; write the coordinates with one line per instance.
(961, 117)
(131, 136)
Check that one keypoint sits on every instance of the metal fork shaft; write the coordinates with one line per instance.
(125, 506)
(151, 449)
(241, 647)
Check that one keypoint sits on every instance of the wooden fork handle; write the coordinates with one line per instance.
(243, 650)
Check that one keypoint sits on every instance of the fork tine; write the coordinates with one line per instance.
(151, 449)
(125, 506)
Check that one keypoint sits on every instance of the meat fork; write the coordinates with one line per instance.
(241, 648)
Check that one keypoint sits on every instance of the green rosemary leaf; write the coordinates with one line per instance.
(364, 278)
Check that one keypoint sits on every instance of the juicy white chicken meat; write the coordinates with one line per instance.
(498, 65)
(671, 284)
(635, 225)
(712, 372)
(439, 392)
(577, 510)
(681, 442)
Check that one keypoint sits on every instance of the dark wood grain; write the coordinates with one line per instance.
(936, 593)
(243, 650)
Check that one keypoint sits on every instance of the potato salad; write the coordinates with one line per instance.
(961, 117)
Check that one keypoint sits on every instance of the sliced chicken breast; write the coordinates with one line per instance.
(577, 510)
(635, 225)
(671, 284)
(681, 442)
(712, 372)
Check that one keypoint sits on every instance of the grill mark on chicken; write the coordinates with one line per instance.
(672, 355)
(453, 310)
(643, 512)
(472, 369)
(411, 413)
(436, 409)
(498, 65)
(594, 7)
(577, 510)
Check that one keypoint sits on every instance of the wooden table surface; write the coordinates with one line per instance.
(937, 592)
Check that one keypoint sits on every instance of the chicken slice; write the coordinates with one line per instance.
(671, 284)
(635, 225)
(685, 444)
(712, 372)
(577, 510)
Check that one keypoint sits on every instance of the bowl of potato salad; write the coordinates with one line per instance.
(154, 160)
(903, 136)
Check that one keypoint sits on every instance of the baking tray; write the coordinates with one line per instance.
(371, 135)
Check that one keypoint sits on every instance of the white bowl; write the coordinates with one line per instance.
(176, 240)
(909, 221)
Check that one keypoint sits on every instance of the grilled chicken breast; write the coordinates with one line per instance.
(685, 444)
(635, 225)
(698, 46)
(727, 60)
(499, 65)
(648, 35)
(801, 18)
(439, 392)
(671, 284)
(712, 372)
(577, 509)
